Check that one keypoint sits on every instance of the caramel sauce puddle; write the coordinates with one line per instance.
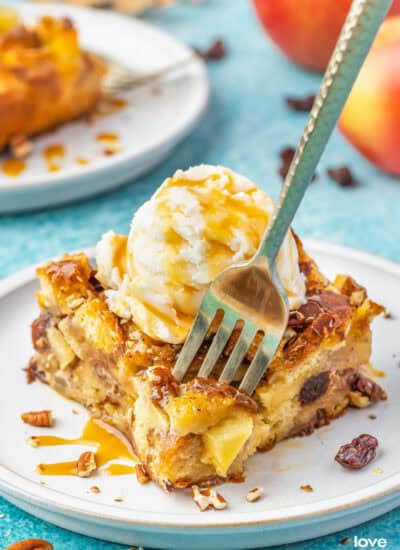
(53, 155)
(109, 447)
(13, 167)
(107, 137)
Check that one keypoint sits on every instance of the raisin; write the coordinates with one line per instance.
(359, 453)
(215, 52)
(369, 388)
(342, 176)
(300, 104)
(286, 156)
(314, 387)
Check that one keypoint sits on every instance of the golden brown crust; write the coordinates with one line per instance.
(45, 79)
(319, 371)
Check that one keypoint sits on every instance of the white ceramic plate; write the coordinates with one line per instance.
(155, 119)
(147, 516)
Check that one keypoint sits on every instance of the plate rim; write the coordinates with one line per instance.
(172, 137)
(14, 484)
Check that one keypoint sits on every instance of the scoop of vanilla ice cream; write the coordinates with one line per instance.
(199, 222)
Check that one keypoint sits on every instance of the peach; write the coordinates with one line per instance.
(371, 117)
(306, 30)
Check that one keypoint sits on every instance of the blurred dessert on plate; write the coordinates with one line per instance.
(46, 79)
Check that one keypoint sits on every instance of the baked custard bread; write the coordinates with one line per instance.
(108, 335)
(45, 78)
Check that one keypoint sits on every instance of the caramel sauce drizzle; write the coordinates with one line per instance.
(109, 446)
(109, 105)
(53, 155)
(13, 167)
(119, 469)
(107, 137)
(81, 161)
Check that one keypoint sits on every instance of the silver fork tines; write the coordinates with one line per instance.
(240, 294)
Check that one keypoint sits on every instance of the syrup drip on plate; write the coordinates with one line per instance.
(107, 137)
(13, 167)
(109, 446)
(54, 155)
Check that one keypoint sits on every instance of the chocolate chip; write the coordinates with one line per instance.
(359, 453)
(342, 176)
(314, 387)
(300, 104)
(215, 52)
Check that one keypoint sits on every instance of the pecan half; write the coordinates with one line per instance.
(86, 464)
(31, 544)
(208, 498)
(359, 453)
(42, 419)
(39, 332)
(314, 387)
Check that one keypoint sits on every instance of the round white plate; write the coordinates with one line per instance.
(155, 119)
(147, 516)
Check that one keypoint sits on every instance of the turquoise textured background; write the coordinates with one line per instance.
(246, 125)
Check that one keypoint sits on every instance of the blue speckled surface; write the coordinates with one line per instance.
(245, 127)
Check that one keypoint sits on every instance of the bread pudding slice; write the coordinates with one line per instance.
(45, 77)
(202, 431)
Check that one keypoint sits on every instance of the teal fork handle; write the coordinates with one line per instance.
(358, 33)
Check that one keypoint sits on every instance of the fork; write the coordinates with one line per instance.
(119, 77)
(251, 293)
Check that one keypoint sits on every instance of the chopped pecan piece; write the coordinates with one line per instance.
(86, 464)
(42, 419)
(359, 453)
(31, 371)
(314, 387)
(142, 474)
(20, 146)
(255, 494)
(31, 544)
(307, 488)
(208, 498)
